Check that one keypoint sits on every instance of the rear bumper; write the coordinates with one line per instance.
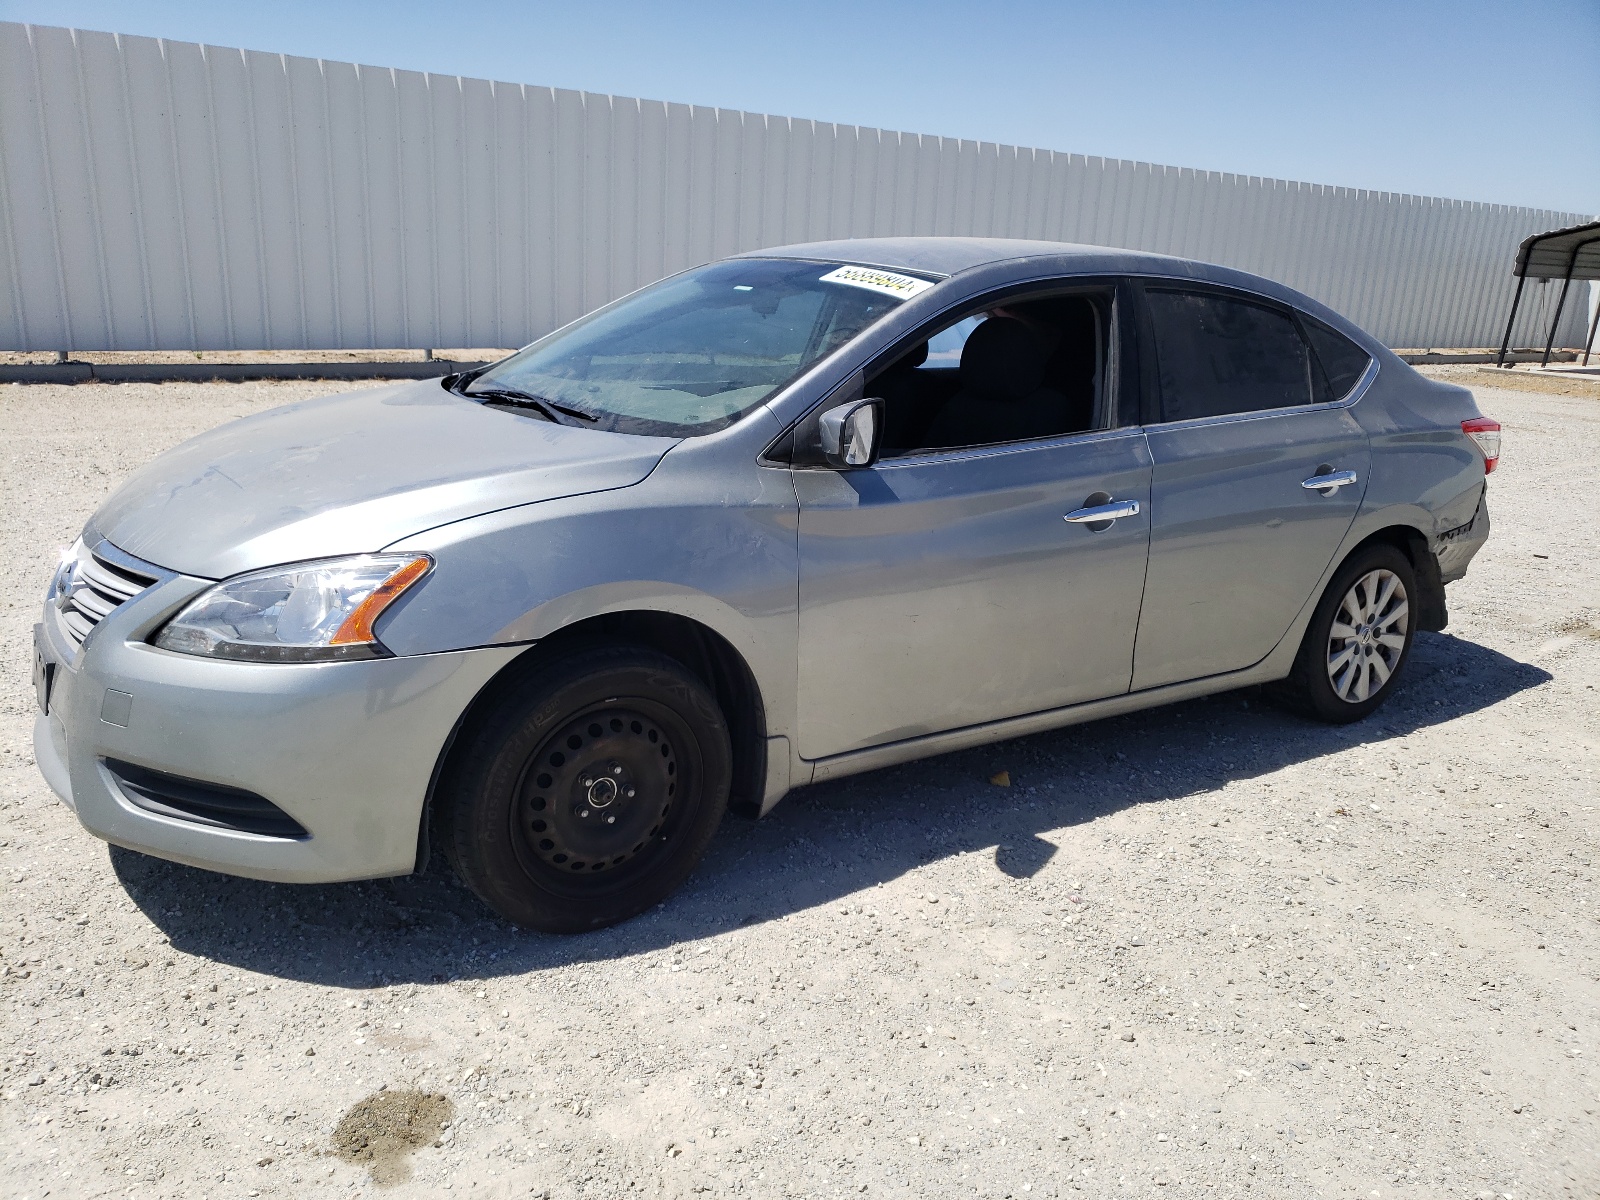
(347, 749)
(1455, 548)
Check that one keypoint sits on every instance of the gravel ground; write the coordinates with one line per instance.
(1206, 950)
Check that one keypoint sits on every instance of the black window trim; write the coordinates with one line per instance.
(1118, 389)
(1362, 380)
(1150, 393)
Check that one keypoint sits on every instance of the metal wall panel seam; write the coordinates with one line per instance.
(1371, 287)
(219, 218)
(1399, 291)
(91, 178)
(63, 298)
(179, 200)
(329, 185)
(142, 257)
(13, 264)
(12, 267)
(1447, 221)
(1478, 291)
(258, 229)
(368, 258)
(431, 159)
(296, 223)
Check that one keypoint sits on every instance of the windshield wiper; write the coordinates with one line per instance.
(549, 409)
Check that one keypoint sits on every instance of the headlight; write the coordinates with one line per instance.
(302, 613)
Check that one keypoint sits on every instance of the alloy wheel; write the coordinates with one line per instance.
(1368, 636)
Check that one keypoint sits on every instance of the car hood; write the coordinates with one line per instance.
(350, 474)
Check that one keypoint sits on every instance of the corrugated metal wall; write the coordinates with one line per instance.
(166, 195)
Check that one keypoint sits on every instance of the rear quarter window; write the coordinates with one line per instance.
(1339, 362)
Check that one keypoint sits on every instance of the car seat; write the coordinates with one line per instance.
(1003, 397)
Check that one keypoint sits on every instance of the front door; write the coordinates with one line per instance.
(1237, 539)
(948, 589)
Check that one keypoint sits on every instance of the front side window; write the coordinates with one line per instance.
(694, 353)
(1021, 370)
(1217, 355)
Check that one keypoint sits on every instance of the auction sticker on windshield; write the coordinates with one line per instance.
(902, 287)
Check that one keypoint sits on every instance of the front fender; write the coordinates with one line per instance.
(728, 561)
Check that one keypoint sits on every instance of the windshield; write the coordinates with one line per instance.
(694, 353)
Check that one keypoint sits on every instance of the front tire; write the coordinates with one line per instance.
(589, 792)
(1359, 639)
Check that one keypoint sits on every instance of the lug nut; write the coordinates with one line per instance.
(616, 770)
(611, 820)
(629, 792)
(583, 812)
(586, 780)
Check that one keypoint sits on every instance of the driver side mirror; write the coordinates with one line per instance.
(851, 433)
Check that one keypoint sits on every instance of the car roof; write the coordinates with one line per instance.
(950, 256)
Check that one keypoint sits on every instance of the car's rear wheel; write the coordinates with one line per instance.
(1359, 638)
(589, 792)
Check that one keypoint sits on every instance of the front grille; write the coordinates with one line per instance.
(95, 587)
(203, 803)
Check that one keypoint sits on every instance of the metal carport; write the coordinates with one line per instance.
(1564, 254)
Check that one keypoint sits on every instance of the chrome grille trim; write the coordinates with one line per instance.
(102, 579)
(91, 602)
(111, 581)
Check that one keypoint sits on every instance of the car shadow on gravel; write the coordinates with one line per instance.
(820, 845)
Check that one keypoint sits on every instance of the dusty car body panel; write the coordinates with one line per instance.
(710, 536)
(1226, 507)
(1422, 474)
(956, 576)
(872, 608)
(283, 731)
(346, 474)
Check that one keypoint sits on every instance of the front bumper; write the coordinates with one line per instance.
(347, 749)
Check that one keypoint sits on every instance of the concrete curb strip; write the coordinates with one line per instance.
(82, 372)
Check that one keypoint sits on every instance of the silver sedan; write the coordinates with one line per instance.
(778, 519)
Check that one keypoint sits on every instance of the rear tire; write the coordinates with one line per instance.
(1359, 639)
(589, 792)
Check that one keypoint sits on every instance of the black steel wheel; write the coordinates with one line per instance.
(590, 792)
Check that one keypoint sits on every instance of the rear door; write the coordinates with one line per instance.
(1237, 538)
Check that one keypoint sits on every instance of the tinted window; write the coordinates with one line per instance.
(1217, 355)
(1339, 361)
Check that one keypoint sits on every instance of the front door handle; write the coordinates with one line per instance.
(1103, 512)
(1330, 483)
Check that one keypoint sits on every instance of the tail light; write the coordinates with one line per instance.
(1487, 434)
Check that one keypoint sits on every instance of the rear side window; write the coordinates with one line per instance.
(1338, 362)
(1217, 355)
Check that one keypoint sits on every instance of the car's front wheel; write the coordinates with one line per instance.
(1359, 638)
(590, 790)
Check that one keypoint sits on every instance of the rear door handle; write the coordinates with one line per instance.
(1330, 483)
(1103, 512)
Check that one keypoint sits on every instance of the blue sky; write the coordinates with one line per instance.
(1477, 101)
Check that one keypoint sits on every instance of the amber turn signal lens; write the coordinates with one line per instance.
(357, 627)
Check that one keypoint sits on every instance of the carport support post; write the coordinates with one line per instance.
(1505, 342)
(1556, 320)
(1588, 344)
